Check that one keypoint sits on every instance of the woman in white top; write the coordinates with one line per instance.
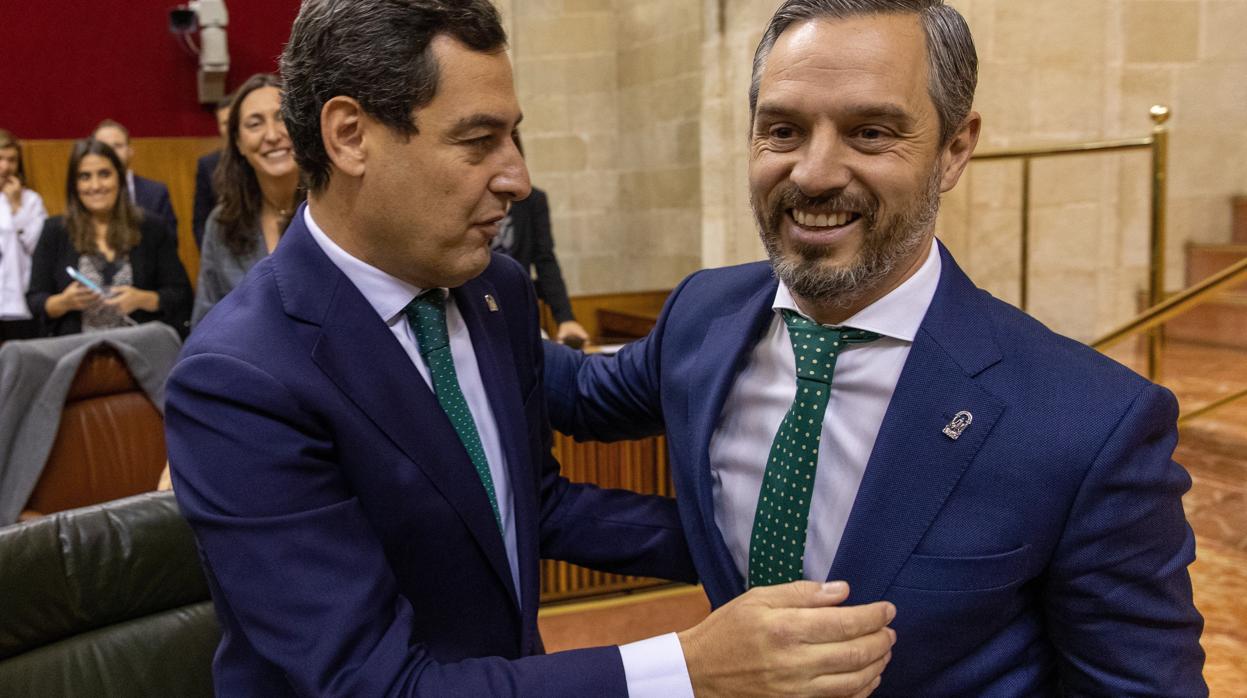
(21, 220)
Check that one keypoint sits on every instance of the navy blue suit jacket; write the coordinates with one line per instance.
(153, 197)
(205, 194)
(1045, 549)
(349, 545)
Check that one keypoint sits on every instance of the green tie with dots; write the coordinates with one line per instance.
(427, 315)
(777, 546)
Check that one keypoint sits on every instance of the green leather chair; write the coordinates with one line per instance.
(107, 600)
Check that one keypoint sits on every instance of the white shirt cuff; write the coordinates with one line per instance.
(655, 668)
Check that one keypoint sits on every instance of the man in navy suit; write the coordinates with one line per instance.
(1009, 490)
(205, 168)
(148, 194)
(358, 435)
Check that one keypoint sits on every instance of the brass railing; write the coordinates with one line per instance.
(1158, 144)
(1177, 304)
(1160, 308)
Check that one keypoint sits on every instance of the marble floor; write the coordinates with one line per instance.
(1213, 449)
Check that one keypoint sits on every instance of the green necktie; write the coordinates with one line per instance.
(427, 315)
(777, 546)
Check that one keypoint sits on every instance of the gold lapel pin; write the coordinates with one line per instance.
(493, 304)
(960, 422)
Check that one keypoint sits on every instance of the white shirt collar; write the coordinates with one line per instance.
(899, 313)
(388, 295)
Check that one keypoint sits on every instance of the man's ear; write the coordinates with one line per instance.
(956, 155)
(342, 131)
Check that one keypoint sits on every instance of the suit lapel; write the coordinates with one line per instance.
(914, 466)
(729, 337)
(360, 355)
(495, 358)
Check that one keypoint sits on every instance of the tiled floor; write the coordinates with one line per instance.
(1214, 450)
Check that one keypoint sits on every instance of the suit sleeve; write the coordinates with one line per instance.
(212, 285)
(1118, 598)
(164, 211)
(205, 199)
(295, 561)
(612, 530)
(609, 398)
(170, 281)
(550, 286)
(49, 252)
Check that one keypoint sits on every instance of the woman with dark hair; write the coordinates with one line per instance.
(257, 184)
(131, 260)
(21, 220)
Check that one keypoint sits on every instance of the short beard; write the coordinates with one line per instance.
(887, 243)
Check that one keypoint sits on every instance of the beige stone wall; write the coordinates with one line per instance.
(610, 92)
(637, 123)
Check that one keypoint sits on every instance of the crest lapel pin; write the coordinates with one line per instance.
(491, 303)
(960, 422)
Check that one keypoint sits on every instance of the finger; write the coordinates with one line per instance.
(869, 689)
(860, 682)
(802, 594)
(839, 623)
(844, 657)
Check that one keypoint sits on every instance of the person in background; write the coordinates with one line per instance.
(525, 237)
(148, 194)
(205, 192)
(21, 220)
(131, 257)
(259, 189)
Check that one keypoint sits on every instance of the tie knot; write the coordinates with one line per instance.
(427, 315)
(817, 346)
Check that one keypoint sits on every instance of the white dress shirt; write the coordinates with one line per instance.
(654, 667)
(865, 378)
(19, 234)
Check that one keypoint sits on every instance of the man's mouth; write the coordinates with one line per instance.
(829, 220)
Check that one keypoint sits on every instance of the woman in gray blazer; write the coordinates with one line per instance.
(257, 184)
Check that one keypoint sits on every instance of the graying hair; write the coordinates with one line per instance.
(376, 52)
(951, 57)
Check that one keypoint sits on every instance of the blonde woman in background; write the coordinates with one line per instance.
(21, 220)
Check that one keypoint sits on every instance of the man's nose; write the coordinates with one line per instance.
(822, 166)
(513, 179)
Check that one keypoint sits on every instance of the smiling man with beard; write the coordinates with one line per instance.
(857, 409)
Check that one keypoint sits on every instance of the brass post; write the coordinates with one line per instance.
(1156, 281)
(1025, 256)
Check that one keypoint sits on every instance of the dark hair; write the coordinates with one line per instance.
(374, 51)
(8, 140)
(239, 201)
(109, 123)
(123, 226)
(225, 102)
(951, 57)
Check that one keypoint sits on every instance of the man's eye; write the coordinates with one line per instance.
(783, 133)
